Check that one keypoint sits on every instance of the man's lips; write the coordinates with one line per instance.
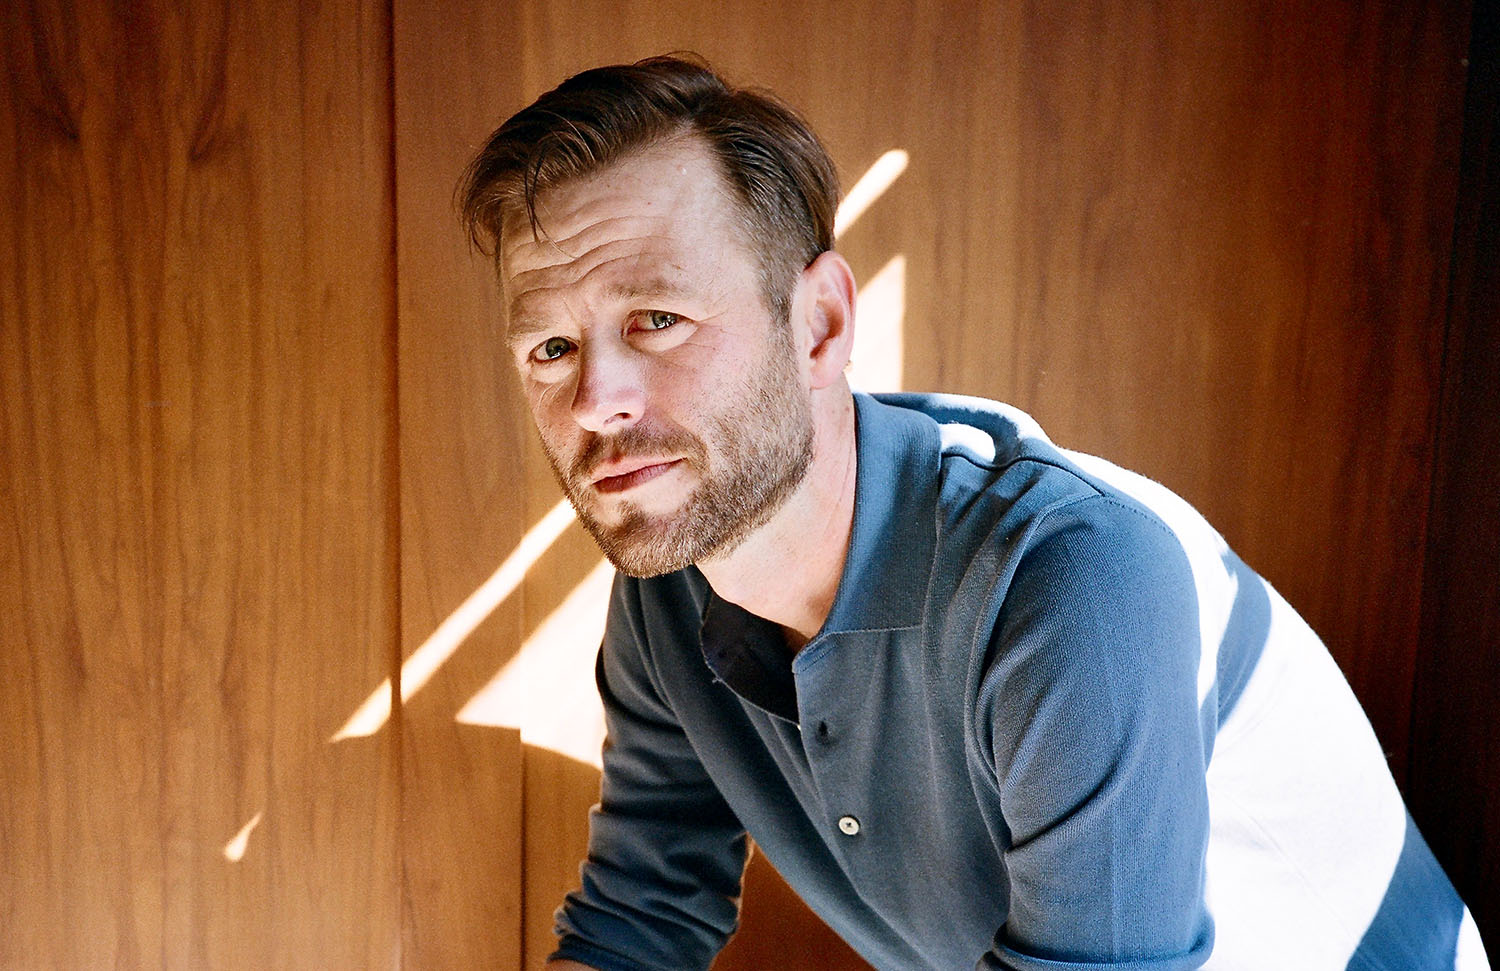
(619, 476)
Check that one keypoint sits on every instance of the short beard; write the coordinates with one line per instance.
(772, 424)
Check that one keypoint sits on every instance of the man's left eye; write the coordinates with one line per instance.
(658, 320)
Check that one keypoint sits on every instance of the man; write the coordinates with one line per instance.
(982, 701)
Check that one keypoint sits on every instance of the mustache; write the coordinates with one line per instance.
(634, 440)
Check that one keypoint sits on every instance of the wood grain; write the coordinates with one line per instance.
(197, 520)
(464, 506)
(778, 931)
(559, 794)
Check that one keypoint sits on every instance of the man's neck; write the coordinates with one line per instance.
(788, 571)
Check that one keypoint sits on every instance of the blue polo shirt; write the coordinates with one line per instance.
(1051, 722)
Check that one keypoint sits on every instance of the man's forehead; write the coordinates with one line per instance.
(612, 256)
(625, 279)
(671, 178)
(638, 226)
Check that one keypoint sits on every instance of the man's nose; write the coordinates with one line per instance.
(609, 395)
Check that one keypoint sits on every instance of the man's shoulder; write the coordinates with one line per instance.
(1012, 508)
(995, 466)
(979, 445)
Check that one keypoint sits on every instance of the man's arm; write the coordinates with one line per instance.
(1092, 702)
(564, 965)
(661, 884)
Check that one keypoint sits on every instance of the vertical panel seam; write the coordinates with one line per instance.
(394, 467)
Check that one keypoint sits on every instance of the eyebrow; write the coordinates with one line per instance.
(524, 325)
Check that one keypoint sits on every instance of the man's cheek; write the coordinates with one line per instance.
(551, 402)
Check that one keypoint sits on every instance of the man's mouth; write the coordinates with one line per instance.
(627, 474)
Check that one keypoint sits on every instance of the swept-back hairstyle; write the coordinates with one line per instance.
(780, 175)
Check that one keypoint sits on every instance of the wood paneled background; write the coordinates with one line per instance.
(198, 551)
(257, 445)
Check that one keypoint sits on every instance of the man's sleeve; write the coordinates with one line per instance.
(1092, 704)
(660, 887)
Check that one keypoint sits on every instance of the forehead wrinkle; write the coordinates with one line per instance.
(523, 319)
(592, 203)
(543, 243)
(583, 263)
(681, 230)
(539, 282)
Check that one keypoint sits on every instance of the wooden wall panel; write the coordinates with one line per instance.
(197, 525)
(559, 794)
(464, 507)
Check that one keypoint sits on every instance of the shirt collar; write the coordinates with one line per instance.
(889, 563)
(749, 654)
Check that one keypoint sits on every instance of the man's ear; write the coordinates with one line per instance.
(824, 312)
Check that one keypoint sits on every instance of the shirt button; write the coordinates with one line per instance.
(849, 826)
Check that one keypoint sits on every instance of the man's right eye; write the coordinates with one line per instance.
(552, 348)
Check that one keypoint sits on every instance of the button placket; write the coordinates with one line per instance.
(823, 704)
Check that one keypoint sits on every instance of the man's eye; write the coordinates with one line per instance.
(552, 348)
(658, 320)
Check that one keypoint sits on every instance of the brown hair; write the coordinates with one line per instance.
(780, 173)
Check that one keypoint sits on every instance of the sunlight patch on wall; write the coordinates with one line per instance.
(871, 186)
(234, 850)
(439, 647)
(880, 312)
(547, 690)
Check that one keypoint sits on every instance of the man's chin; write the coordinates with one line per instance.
(641, 546)
(642, 562)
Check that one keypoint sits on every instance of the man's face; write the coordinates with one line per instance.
(669, 403)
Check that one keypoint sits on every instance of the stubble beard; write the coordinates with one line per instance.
(765, 446)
